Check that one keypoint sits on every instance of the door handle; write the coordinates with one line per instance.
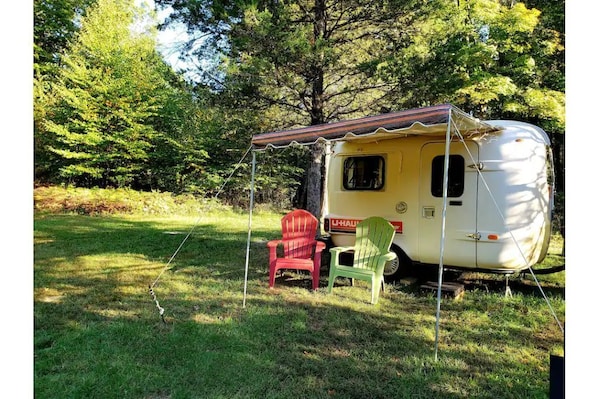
(475, 236)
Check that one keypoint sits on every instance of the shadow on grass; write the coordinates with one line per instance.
(97, 333)
(287, 350)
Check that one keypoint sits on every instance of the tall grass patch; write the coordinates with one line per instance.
(98, 201)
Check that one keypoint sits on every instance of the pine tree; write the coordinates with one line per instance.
(107, 98)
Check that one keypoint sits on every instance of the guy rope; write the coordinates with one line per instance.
(153, 285)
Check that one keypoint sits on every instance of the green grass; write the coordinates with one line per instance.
(98, 333)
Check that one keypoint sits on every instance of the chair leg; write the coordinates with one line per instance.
(376, 287)
(273, 272)
(330, 284)
(315, 278)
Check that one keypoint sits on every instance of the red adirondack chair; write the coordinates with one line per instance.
(301, 250)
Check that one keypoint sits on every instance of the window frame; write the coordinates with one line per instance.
(371, 171)
(456, 188)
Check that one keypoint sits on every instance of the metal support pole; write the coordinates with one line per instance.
(447, 148)
(324, 211)
(249, 227)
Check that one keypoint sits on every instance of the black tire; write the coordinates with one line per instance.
(399, 267)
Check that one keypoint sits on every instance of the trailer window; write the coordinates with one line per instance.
(363, 173)
(456, 175)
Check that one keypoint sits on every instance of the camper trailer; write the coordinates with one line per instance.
(494, 213)
(499, 196)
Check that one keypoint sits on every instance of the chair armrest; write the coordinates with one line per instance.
(389, 256)
(273, 243)
(339, 250)
(335, 254)
(382, 261)
(273, 246)
(320, 246)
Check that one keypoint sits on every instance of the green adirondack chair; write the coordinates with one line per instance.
(373, 237)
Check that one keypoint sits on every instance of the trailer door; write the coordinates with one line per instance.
(461, 211)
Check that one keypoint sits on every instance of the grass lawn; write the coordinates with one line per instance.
(98, 332)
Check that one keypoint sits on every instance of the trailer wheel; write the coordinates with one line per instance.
(397, 267)
(391, 268)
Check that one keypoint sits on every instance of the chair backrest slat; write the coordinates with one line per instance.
(298, 233)
(373, 237)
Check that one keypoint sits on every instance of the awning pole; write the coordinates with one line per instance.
(249, 227)
(447, 148)
(327, 152)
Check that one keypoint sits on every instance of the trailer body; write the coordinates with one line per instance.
(499, 200)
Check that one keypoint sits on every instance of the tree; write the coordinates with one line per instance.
(491, 57)
(313, 61)
(306, 62)
(55, 24)
(497, 59)
(109, 124)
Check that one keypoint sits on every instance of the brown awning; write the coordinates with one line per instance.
(428, 120)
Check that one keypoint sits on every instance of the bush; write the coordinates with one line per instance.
(96, 201)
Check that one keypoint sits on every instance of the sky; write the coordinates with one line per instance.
(170, 39)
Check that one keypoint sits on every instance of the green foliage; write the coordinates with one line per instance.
(55, 24)
(298, 62)
(97, 201)
(110, 113)
(301, 63)
(500, 60)
(314, 62)
(106, 95)
(118, 117)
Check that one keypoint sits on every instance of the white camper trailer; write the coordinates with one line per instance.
(494, 214)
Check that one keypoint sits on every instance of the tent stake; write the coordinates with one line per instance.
(508, 293)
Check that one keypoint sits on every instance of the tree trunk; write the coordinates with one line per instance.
(314, 180)
(314, 174)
